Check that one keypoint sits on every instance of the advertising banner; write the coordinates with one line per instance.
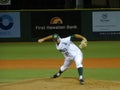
(5, 2)
(10, 25)
(106, 22)
(61, 22)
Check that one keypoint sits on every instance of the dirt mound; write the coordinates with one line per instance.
(61, 83)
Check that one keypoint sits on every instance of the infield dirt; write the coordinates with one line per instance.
(62, 83)
(56, 63)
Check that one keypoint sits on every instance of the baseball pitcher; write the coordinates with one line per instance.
(70, 51)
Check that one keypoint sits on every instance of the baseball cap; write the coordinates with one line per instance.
(55, 36)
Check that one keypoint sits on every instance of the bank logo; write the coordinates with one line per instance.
(104, 17)
(6, 22)
(56, 20)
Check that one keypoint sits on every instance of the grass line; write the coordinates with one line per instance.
(22, 74)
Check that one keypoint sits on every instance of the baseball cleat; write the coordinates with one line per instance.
(81, 81)
(56, 75)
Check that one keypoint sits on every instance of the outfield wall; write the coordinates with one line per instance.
(24, 25)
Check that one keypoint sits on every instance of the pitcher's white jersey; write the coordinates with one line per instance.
(67, 47)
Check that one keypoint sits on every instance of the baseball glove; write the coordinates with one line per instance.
(83, 44)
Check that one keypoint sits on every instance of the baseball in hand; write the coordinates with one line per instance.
(83, 44)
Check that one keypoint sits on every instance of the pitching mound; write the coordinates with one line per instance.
(61, 83)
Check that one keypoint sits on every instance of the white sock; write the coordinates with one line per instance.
(81, 77)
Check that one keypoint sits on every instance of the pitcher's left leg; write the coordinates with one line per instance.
(78, 61)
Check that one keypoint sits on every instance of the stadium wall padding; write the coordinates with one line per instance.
(35, 24)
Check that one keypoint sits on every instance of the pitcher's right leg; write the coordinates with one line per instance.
(64, 67)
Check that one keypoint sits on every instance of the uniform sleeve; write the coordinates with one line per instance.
(72, 37)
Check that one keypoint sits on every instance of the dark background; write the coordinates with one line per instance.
(35, 7)
(60, 4)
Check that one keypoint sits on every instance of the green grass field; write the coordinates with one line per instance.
(33, 50)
